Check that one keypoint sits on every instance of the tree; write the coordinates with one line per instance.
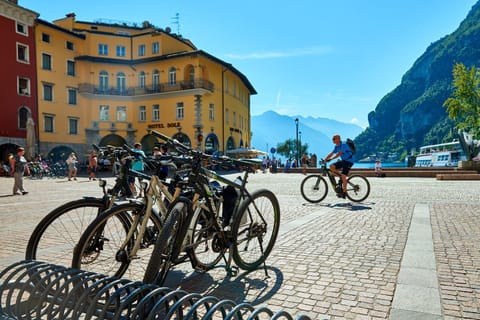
(288, 149)
(464, 106)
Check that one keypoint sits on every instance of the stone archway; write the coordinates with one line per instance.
(112, 140)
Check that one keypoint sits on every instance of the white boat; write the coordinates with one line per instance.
(440, 155)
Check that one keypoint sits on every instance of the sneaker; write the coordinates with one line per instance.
(69, 179)
(24, 192)
(75, 179)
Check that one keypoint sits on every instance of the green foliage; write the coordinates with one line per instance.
(464, 106)
(288, 149)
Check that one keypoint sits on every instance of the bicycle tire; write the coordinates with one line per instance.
(206, 250)
(161, 259)
(314, 188)
(56, 235)
(261, 225)
(98, 249)
(358, 188)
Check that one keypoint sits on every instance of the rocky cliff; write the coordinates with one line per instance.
(412, 114)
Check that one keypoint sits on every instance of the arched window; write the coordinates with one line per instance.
(172, 76)
(23, 114)
(103, 81)
(156, 81)
(191, 77)
(141, 80)
(121, 83)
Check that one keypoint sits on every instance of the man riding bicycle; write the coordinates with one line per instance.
(343, 151)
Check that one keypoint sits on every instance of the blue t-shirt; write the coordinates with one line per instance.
(347, 154)
(137, 163)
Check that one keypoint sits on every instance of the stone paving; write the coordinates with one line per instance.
(332, 260)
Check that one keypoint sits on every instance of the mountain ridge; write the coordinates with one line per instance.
(412, 114)
(270, 129)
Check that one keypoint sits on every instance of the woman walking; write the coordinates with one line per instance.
(19, 167)
(72, 166)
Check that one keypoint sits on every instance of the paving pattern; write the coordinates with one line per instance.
(332, 260)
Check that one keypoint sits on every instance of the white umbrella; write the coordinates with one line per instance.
(30, 141)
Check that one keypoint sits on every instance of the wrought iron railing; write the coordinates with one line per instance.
(88, 88)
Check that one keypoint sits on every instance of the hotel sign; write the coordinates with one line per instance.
(164, 125)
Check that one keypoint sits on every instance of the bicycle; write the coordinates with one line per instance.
(56, 235)
(314, 187)
(124, 233)
(195, 230)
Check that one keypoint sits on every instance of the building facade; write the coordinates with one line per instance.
(109, 83)
(18, 92)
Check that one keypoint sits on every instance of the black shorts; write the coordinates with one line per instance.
(344, 165)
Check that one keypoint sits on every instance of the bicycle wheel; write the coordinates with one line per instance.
(206, 250)
(100, 248)
(162, 257)
(314, 188)
(358, 188)
(255, 228)
(55, 237)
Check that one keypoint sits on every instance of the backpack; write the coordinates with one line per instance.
(351, 145)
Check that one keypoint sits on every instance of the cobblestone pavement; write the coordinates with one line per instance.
(332, 260)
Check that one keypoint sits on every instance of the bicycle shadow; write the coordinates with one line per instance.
(254, 287)
(342, 205)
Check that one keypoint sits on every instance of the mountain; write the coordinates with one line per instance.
(270, 129)
(412, 114)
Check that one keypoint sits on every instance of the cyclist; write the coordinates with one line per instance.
(341, 167)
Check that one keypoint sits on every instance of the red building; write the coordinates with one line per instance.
(18, 90)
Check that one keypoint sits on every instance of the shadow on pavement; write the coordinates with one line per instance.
(254, 287)
(342, 205)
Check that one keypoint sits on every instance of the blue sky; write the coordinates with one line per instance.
(333, 59)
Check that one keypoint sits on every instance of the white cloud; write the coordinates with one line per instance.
(298, 52)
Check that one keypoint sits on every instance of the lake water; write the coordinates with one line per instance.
(371, 165)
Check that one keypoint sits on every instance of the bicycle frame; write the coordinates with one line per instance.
(153, 193)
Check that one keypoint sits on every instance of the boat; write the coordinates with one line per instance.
(440, 155)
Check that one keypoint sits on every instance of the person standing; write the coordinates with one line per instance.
(378, 169)
(137, 165)
(19, 167)
(341, 167)
(72, 166)
(92, 165)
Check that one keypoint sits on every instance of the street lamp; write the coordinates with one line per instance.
(300, 143)
(296, 141)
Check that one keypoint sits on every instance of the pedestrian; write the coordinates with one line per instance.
(19, 167)
(378, 169)
(156, 152)
(92, 165)
(72, 166)
(137, 165)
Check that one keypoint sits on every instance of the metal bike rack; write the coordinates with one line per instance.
(38, 290)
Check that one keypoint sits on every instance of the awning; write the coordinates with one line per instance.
(245, 153)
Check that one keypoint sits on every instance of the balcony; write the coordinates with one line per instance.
(198, 86)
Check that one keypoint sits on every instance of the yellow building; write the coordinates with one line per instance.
(107, 84)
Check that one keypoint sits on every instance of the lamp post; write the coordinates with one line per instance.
(300, 143)
(296, 141)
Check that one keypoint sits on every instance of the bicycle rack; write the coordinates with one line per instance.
(38, 290)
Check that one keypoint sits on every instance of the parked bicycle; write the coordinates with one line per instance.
(314, 187)
(56, 235)
(125, 233)
(200, 231)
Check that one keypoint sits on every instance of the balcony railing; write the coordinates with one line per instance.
(88, 88)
